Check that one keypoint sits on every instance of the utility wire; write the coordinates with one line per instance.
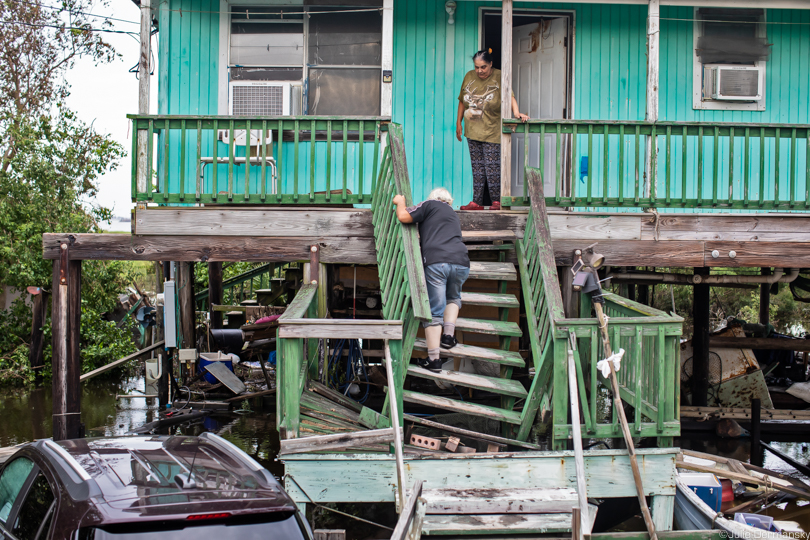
(82, 28)
(64, 10)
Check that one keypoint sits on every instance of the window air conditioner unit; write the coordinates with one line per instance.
(259, 98)
(733, 83)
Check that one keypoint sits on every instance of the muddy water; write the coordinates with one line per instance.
(26, 415)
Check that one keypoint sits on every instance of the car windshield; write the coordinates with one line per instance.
(285, 528)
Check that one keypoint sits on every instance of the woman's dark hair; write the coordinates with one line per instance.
(485, 55)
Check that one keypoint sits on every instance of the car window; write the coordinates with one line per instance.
(273, 528)
(11, 482)
(35, 515)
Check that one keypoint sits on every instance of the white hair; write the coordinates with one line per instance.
(440, 194)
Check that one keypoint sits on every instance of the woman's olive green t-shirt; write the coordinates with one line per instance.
(482, 103)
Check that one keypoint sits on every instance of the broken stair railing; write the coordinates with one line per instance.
(240, 287)
(283, 160)
(648, 379)
(399, 258)
(542, 300)
(293, 367)
(696, 164)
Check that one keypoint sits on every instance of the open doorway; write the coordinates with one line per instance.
(541, 80)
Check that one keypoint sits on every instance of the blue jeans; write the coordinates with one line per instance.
(444, 281)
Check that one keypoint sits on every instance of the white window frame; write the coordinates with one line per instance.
(698, 103)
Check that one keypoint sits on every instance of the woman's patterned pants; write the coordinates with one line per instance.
(486, 169)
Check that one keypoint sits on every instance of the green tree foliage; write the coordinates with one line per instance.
(50, 163)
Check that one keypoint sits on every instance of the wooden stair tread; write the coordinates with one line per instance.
(493, 270)
(488, 236)
(491, 247)
(506, 387)
(500, 501)
(496, 356)
(475, 409)
(484, 326)
(446, 524)
(489, 299)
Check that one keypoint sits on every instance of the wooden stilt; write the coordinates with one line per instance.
(765, 299)
(66, 364)
(38, 312)
(700, 342)
(185, 294)
(215, 293)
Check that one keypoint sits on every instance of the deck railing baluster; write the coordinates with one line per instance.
(182, 159)
(198, 178)
(247, 161)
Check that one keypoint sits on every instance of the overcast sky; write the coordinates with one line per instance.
(105, 94)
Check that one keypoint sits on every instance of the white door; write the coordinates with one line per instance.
(539, 54)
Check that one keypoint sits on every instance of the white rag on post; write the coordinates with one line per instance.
(604, 365)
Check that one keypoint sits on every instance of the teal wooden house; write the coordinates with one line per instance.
(674, 133)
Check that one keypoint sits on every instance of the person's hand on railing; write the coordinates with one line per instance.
(402, 212)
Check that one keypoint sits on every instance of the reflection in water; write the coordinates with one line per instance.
(27, 417)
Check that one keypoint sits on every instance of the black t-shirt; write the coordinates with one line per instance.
(439, 233)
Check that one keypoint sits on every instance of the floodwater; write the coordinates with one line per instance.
(26, 416)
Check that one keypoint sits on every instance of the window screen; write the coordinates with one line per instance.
(730, 36)
(345, 57)
(266, 37)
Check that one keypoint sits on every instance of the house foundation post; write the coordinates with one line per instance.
(66, 364)
(700, 341)
(215, 293)
(765, 299)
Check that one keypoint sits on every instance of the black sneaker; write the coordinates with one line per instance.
(448, 341)
(431, 365)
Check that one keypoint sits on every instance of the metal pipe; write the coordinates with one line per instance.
(778, 276)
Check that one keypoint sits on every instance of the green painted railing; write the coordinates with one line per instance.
(240, 287)
(399, 258)
(288, 160)
(601, 163)
(542, 300)
(649, 377)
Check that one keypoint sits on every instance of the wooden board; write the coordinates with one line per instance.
(742, 413)
(757, 254)
(252, 222)
(496, 523)
(506, 387)
(123, 247)
(636, 252)
(507, 358)
(336, 441)
(339, 329)
(488, 236)
(369, 478)
(489, 299)
(500, 501)
(493, 270)
(461, 406)
(482, 326)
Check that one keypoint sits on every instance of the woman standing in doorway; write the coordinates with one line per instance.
(479, 106)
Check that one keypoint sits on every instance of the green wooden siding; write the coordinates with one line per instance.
(431, 58)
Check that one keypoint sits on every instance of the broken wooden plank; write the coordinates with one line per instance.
(336, 442)
(251, 395)
(119, 362)
(466, 407)
(330, 394)
(493, 270)
(496, 523)
(408, 513)
(775, 344)
(471, 434)
(739, 413)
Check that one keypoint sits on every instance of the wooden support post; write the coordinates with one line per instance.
(756, 449)
(700, 342)
(506, 96)
(584, 525)
(765, 299)
(185, 294)
(396, 423)
(66, 364)
(215, 293)
(387, 86)
(143, 167)
(653, 33)
(38, 313)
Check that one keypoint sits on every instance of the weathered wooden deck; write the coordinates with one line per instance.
(346, 235)
(371, 477)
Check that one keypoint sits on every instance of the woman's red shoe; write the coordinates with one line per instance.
(472, 206)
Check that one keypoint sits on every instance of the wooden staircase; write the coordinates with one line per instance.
(502, 273)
